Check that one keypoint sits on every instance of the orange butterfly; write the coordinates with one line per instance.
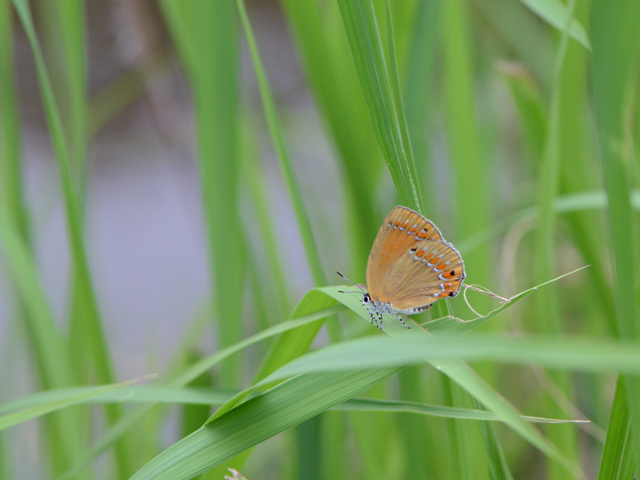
(410, 267)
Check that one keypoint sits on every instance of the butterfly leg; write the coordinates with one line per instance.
(370, 310)
(380, 319)
(402, 321)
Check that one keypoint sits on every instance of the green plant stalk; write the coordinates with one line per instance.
(414, 436)
(71, 31)
(617, 461)
(548, 304)
(254, 173)
(54, 366)
(498, 467)
(379, 81)
(95, 338)
(418, 87)
(463, 140)
(284, 343)
(286, 166)
(206, 38)
(308, 434)
(319, 33)
(11, 194)
(96, 347)
(214, 79)
(458, 438)
(616, 42)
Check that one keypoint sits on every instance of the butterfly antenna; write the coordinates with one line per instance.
(361, 289)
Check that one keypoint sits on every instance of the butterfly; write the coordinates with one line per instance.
(410, 267)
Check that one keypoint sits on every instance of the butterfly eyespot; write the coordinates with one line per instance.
(412, 251)
(453, 272)
(451, 294)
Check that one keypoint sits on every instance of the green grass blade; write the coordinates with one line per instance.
(285, 161)
(254, 173)
(207, 38)
(617, 461)
(549, 315)
(88, 323)
(46, 401)
(498, 467)
(419, 86)
(454, 368)
(532, 110)
(466, 152)
(556, 13)
(70, 15)
(458, 433)
(9, 420)
(92, 327)
(259, 418)
(616, 47)
(11, 194)
(378, 75)
(193, 372)
(559, 352)
(319, 33)
(55, 368)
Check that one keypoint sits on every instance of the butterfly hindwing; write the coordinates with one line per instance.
(425, 273)
(401, 268)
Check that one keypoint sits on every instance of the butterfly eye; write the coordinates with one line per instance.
(366, 298)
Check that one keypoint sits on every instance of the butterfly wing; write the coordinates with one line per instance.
(401, 268)
(425, 273)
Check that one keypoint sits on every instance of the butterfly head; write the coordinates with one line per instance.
(374, 308)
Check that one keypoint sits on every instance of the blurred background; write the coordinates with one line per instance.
(164, 220)
(145, 238)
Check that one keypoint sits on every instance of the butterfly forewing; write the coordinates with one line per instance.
(406, 266)
(401, 230)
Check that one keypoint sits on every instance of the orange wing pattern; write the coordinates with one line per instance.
(410, 264)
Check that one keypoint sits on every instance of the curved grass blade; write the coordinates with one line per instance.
(259, 418)
(200, 451)
(555, 14)
(193, 372)
(48, 401)
(63, 401)
(447, 325)
(558, 352)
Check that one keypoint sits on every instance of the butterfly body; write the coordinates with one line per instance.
(410, 267)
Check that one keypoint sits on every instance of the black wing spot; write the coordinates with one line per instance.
(451, 294)
(453, 272)
(413, 250)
